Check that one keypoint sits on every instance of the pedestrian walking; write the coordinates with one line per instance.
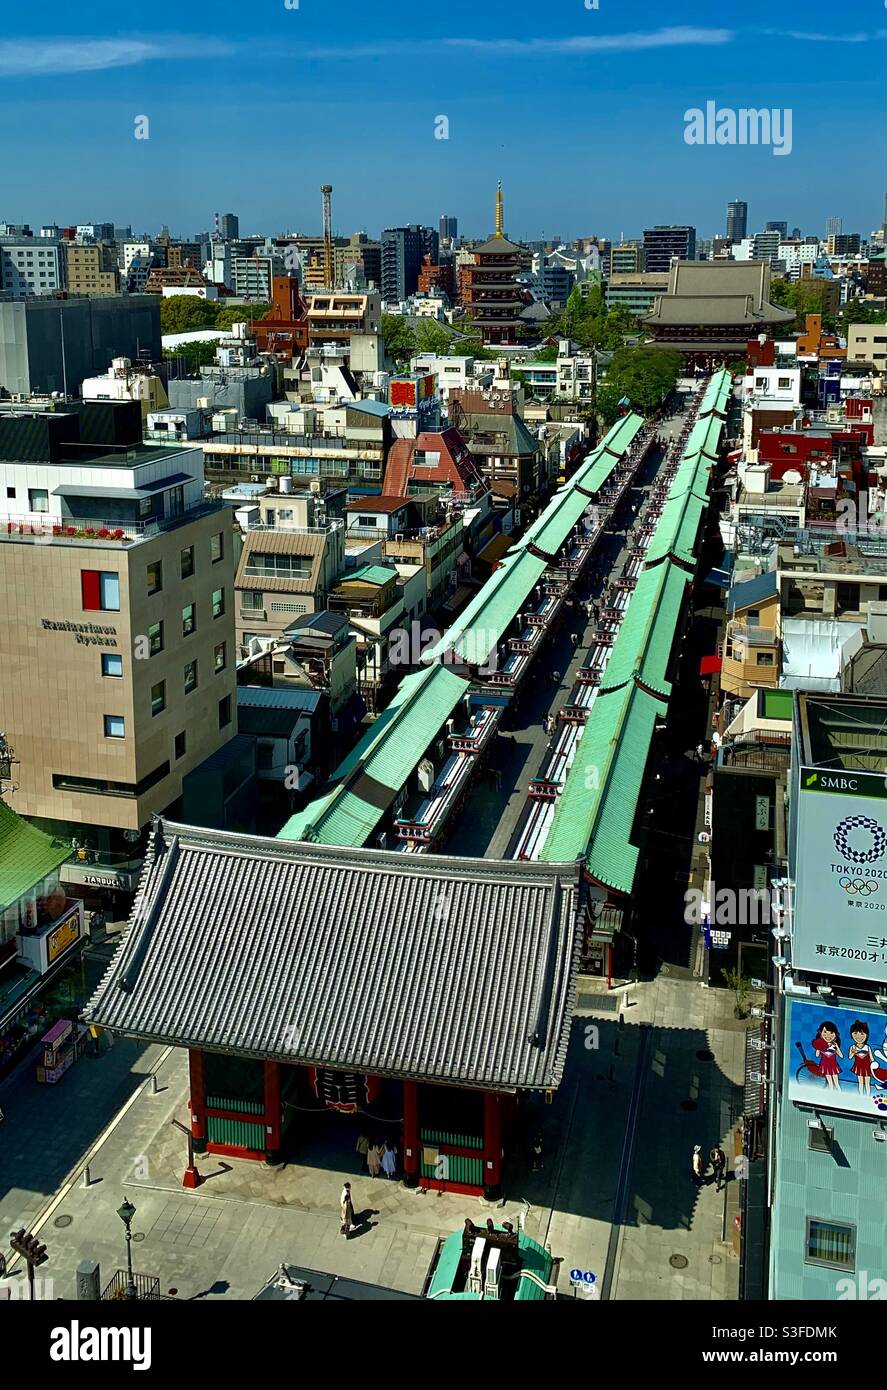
(698, 1165)
(556, 677)
(574, 638)
(363, 1145)
(374, 1160)
(346, 1208)
(538, 1151)
(389, 1159)
(718, 1160)
(497, 778)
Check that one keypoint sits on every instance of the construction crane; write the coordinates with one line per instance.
(327, 191)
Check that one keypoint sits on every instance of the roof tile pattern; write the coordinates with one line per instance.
(448, 970)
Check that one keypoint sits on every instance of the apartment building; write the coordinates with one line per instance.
(118, 670)
(867, 342)
(91, 269)
(287, 566)
(335, 318)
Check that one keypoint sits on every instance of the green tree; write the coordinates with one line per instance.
(642, 375)
(398, 337)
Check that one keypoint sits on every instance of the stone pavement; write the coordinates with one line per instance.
(225, 1239)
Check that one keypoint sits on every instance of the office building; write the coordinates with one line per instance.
(30, 266)
(737, 220)
(825, 1116)
(636, 290)
(627, 258)
(833, 226)
(119, 669)
(229, 226)
(780, 227)
(52, 344)
(449, 228)
(662, 244)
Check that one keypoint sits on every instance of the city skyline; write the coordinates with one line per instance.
(582, 118)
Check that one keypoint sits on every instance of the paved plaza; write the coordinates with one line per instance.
(614, 1195)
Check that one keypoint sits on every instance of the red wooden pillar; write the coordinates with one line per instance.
(273, 1112)
(198, 1099)
(492, 1147)
(411, 1152)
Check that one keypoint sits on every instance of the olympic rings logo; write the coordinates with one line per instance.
(860, 856)
(864, 887)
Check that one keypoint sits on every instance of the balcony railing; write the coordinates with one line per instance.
(43, 529)
(754, 636)
(275, 572)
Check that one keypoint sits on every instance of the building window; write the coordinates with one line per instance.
(217, 548)
(155, 577)
(764, 659)
(158, 697)
(831, 1243)
(190, 676)
(252, 601)
(820, 1137)
(224, 711)
(155, 639)
(112, 665)
(220, 657)
(218, 602)
(179, 748)
(100, 590)
(10, 492)
(189, 620)
(187, 562)
(38, 499)
(115, 726)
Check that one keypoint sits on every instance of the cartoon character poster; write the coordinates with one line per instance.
(838, 1058)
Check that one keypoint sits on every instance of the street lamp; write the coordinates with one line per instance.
(126, 1212)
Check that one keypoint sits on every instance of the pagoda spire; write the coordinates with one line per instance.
(500, 210)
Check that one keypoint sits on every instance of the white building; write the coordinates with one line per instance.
(195, 291)
(128, 250)
(30, 265)
(122, 383)
(451, 370)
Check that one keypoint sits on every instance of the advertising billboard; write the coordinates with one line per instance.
(840, 873)
(838, 1058)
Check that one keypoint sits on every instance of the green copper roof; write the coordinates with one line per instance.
(534, 1257)
(486, 619)
(677, 530)
(27, 856)
(595, 812)
(642, 649)
(369, 574)
(380, 763)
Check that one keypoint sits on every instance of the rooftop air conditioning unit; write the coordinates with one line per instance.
(475, 1280)
(493, 1273)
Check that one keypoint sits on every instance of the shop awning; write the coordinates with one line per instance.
(710, 665)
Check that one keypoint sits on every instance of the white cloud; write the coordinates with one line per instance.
(805, 36)
(41, 57)
(680, 36)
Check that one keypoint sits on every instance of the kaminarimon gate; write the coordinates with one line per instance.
(423, 995)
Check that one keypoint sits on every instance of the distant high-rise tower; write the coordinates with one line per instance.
(327, 191)
(229, 226)
(833, 227)
(449, 228)
(780, 227)
(737, 220)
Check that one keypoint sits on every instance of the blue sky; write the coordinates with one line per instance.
(580, 113)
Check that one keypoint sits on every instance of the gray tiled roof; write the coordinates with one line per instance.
(443, 969)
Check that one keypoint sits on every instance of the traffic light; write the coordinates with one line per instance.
(29, 1246)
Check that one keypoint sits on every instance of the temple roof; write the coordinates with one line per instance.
(443, 969)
